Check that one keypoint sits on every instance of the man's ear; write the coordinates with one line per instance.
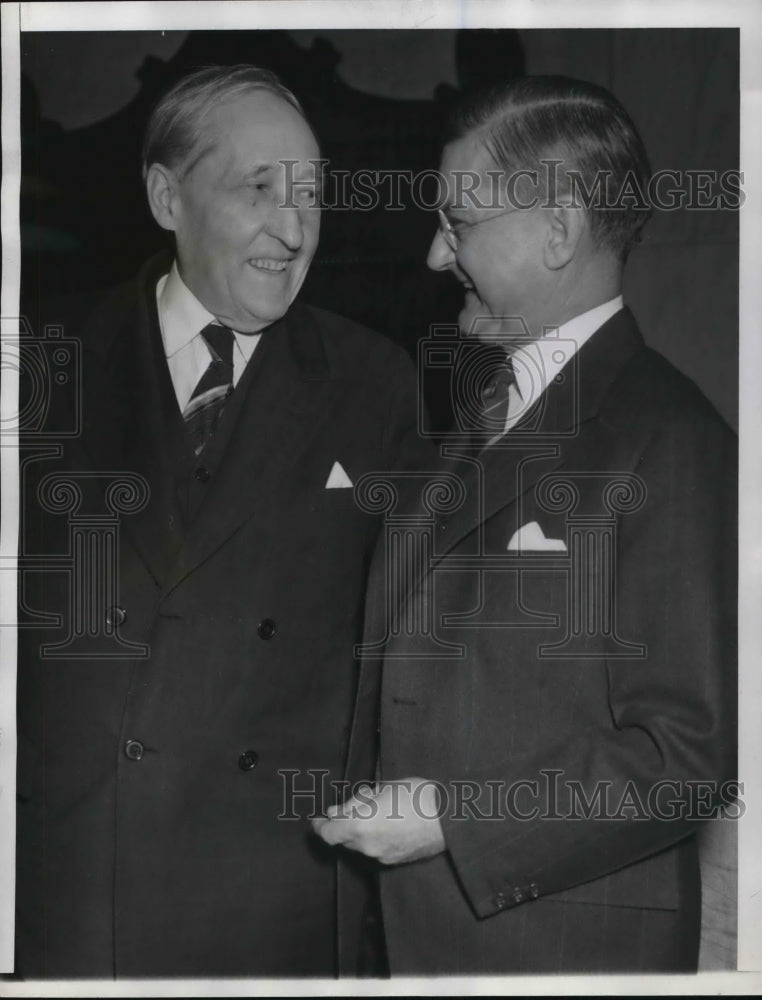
(566, 227)
(162, 191)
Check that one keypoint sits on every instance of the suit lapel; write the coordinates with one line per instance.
(288, 395)
(131, 419)
(548, 437)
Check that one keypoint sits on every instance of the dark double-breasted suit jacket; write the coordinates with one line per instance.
(598, 662)
(155, 832)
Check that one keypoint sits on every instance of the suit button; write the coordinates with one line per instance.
(203, 475)
(499, 900)
(266, 628)
(133, 749)
(534, 892)
(518, 896)
(248, 760)
(115, 616)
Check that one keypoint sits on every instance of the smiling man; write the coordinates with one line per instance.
(544, 769)
(211, 654)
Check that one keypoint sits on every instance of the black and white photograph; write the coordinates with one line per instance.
(379, 573)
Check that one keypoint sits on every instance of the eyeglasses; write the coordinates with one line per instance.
(447, 230)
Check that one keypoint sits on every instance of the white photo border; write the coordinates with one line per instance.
(398, 14)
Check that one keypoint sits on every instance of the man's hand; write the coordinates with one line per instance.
(394, 823)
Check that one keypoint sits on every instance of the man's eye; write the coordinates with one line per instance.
(308, 196)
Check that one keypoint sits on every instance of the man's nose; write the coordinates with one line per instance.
(441, 254)
(285, 223)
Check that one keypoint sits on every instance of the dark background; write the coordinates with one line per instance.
(378, 100)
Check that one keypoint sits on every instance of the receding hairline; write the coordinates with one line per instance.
(204, 142)
(208, 140)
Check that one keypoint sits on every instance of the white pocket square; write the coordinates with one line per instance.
(338, 479)
(530, 538)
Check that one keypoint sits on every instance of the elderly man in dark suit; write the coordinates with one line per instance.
(202, 653)
(562, 716)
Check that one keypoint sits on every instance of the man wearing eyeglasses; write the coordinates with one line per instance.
(540, 772)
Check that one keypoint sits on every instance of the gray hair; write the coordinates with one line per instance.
(177, 120)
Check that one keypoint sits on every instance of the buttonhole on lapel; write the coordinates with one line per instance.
(403, 701)
(168, 614)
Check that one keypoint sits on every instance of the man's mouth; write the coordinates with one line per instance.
(271, 264)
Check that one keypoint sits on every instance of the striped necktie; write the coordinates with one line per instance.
(213, 388)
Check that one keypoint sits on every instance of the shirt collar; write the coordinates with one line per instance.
(535, 365)
(181, 315)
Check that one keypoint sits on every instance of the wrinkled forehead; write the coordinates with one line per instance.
(255, 129)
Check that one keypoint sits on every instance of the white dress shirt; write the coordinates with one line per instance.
(535, 365)
(182, 318)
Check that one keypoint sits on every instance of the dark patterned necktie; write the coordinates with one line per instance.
(495, 398)
(205, 406)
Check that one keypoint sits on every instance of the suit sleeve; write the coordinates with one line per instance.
(666, 741)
